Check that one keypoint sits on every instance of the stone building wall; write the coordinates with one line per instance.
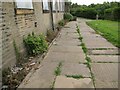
(14, 27)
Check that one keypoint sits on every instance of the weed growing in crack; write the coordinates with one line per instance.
(88, 59)
(58, 69)
(78, 30)
(75, 76)
(80, 38)
(84, 49)
(88, 65)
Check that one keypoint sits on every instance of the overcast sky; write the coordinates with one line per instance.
(88, 2)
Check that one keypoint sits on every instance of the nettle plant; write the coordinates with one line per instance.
(35, 44)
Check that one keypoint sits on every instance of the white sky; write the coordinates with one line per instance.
(88, 2)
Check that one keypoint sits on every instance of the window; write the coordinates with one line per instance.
(24, 7)
(54, 5)
(45, 6)
(61, 5)
(58, 9)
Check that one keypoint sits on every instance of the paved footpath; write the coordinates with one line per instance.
(67, 50)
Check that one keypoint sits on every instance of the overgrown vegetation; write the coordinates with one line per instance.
(85, 50)
(112, 14)
(58, 69)
(35, 44)
(108, 29)
(68, 16)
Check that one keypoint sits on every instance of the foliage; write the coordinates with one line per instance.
(61, 23)
(75, 76)
(88, 59)
(78, 30)
(68, 16)
(116, 13)
(109, 30)
(90, 11)
(58, 69)
(35, 44)
(108, 14)
(112, 13)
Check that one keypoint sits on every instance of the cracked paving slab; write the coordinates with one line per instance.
(65, 82)
(43, 77)
(71, 49)
(75, 69)
(65, 57)
(67, 43)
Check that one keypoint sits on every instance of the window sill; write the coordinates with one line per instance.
(22, 11)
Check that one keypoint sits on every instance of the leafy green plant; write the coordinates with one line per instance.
(84, 47)
(78, 30)
(68, 16)
(88, 59)
(61, 23)
(75, 76)
(58, 69)
(35, 44)
(80, 38)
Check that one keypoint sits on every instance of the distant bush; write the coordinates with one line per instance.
(74, 18)
(85, 13)
(35, 44)
(108, 14)
(112, 13)
(68, 16)
(116, 13)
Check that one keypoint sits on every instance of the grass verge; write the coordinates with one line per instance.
(108, 29)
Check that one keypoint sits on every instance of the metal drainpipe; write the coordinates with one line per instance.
(51, 15)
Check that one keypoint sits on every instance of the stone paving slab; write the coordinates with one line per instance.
(105, 71)
(104, 52)
(88, 33)
(71, 24)
(75, 49)
(42, 77)
(105, 84)
(65, 57)
(97, 43)
(68, 43)
(64, 82)
(105, 58)
(69, 37)
(75, 69)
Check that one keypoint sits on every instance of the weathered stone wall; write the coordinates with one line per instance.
(15, 27)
